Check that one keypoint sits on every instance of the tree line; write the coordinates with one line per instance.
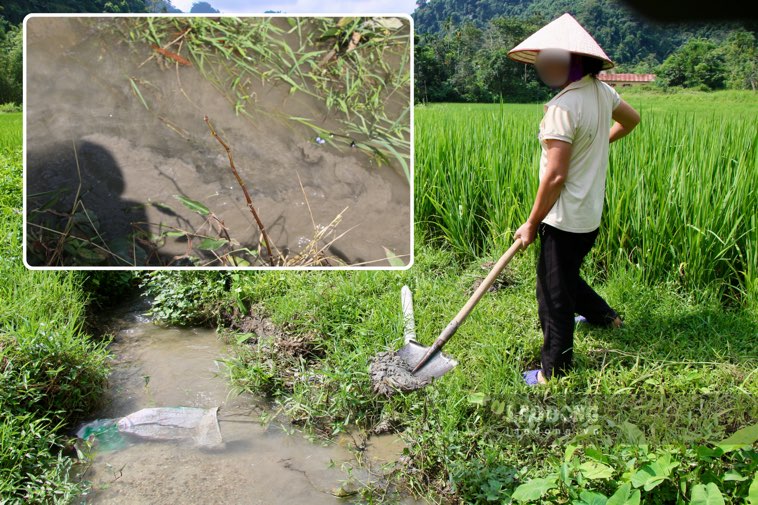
(461, 48)
(11, 63)
(12, 13)
(461, 45)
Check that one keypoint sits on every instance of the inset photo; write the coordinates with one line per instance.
(218, 141)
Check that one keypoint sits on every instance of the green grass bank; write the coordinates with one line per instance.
(660, 411)
(51, 373)
(678, 378)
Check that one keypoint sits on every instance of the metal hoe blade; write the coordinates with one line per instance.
(437, 366)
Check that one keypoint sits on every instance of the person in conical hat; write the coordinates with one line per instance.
(579, 123)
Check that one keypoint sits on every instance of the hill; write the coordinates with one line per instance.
(462, 46)
(627, 37)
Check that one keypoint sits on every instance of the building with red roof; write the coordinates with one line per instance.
(625, 79)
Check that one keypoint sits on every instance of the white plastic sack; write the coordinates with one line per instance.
(174, 423)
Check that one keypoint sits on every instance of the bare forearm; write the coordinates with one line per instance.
(625, 120)
(551, 184)
(547, 194)
(618, 131)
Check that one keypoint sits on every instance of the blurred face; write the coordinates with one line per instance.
(553, 66)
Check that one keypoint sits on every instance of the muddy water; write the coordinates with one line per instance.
(80, 100)
(269, 463)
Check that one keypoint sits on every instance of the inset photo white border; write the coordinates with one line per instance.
(411, 159)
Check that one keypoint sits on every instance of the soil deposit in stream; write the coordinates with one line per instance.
(390, 374)
(127, 137)
(258, 463)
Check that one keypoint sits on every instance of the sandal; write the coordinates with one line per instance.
(531, 377)
(583, 320)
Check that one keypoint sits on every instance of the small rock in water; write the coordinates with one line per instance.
(390, 374)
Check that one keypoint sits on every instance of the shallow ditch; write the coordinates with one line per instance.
(263, 458)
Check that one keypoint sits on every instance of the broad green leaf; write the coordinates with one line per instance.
(534, 489)
(705, 453)
(210, 244)
(476, 398)
(707, 494)
(569, 453)
(393, 259)
(595, 454)
(193, 205)
(664, 464)
(652, 483)
(740, 438)
(632, 433)
(564, 473)
(752, 493)
(498, 407)
(735, 476)
(593, 470)
(648, 477)
(641, 476)
(625, 495)
(592, 498)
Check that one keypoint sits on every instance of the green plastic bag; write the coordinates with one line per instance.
(161, 423)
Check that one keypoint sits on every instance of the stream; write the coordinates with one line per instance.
(268, 462)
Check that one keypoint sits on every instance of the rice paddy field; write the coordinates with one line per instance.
(681, 196)
(10, 131)
(644, 415)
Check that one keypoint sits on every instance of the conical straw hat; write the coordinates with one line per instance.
(562, 33)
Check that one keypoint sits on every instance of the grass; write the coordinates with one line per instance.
(681, 196)
(682, 371)
(351, 77)
(10, 131)
(732, 103)
(51, 373)
(643, 415)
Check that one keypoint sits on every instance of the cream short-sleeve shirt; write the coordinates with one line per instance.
(581, 115)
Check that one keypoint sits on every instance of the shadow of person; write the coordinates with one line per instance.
(76, 215)
(674, 370)
(696, 335)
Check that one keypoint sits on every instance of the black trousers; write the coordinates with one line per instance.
(561, 293)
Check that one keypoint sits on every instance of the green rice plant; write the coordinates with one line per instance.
(353, 68)
(681, 194)
(10, 131)
(682, 201)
